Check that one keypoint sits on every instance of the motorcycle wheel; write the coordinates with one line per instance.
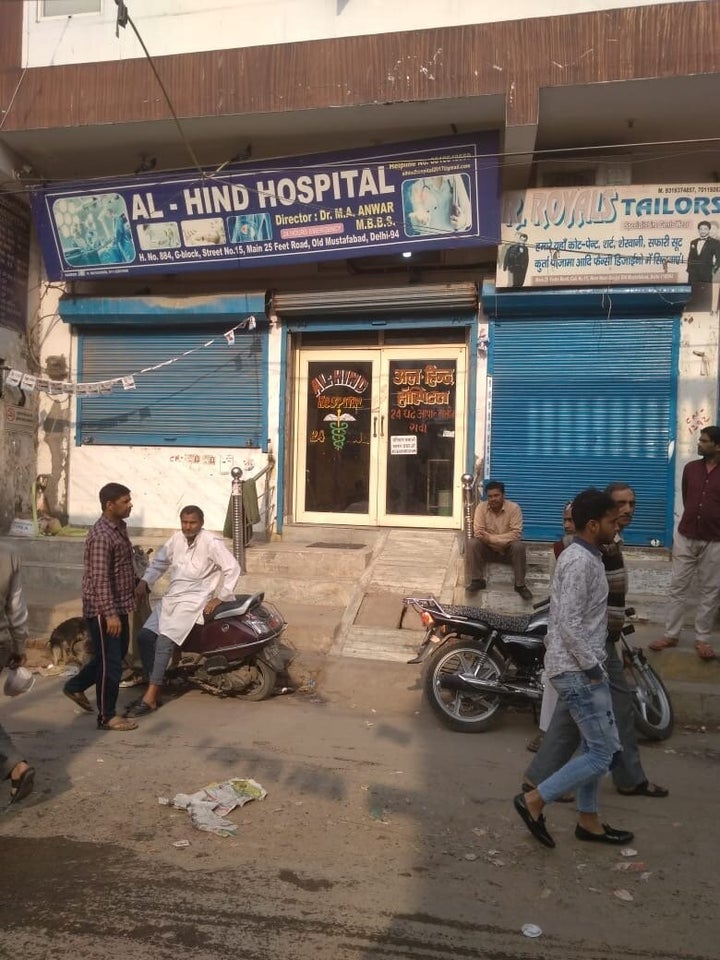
(466, 712)
(654, 718)
(263, 684)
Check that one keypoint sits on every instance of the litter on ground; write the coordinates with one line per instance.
(209, 807)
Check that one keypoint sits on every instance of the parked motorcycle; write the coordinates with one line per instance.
(477, 662)
(236, 652)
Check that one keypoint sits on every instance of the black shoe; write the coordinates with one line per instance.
(524, 592)
(644, 789)
(536, 827)
(609, 835)
(475, 585)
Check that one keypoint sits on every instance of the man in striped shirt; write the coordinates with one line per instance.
(108, 596)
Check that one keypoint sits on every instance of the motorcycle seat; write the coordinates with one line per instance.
(498, 621)
(237, 607)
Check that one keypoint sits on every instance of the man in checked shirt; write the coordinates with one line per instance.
(108, 595)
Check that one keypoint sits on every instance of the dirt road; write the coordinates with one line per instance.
(382, 835)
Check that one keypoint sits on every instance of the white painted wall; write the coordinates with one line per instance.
(182, 26)
(697, 387)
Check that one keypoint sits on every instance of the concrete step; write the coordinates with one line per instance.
(331, 592)
(305, 534)
(311, 627)
(695, 703)
(372, 643)
(47, 610)
(296, 560)
(682, 663)
(40, 578)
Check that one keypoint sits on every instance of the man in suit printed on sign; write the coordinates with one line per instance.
(516, 260)
(702, 261)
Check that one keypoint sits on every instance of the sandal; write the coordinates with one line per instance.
(79, 698)
(534, 745)
(117, 723)
(22, 786)
(704, 650)
(644, 789)
(140, 709)
(663, 643)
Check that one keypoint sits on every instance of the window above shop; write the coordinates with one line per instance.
(67, 8)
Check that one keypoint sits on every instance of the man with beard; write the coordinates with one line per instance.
(562, 738)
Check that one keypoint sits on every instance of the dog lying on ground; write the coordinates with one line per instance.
(70, 642)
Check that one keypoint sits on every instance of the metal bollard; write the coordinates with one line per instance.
(238, 518)
(468, 483)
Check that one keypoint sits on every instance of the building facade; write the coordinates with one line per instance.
(382, 245)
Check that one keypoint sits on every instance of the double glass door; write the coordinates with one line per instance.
(381, 436)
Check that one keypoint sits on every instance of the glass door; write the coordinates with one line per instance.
(337, 436)
(381, 436)
(422, 427)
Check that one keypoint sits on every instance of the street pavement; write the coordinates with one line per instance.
(383, 835)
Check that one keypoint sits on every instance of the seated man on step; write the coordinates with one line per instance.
(497, 528)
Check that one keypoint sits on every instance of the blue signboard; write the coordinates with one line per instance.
(390, 199)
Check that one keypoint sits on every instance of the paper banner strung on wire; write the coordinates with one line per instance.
(29, 383)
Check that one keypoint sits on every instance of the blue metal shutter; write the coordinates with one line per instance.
(216, 397)
(580, 402)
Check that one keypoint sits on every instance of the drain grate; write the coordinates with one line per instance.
(327, 545)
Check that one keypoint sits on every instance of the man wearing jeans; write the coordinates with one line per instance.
(696, 549)
(562, 737)
(577, 631)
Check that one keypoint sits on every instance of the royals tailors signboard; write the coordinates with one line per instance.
(665, 233)
(391, 199)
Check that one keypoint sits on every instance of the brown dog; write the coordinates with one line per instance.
(70, 642)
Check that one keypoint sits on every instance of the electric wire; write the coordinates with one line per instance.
(122, 8)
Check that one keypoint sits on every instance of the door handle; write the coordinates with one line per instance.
(374, 426)
(382, 426)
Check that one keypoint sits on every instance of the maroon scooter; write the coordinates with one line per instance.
(236, 652)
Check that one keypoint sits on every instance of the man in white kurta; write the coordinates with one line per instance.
(203, 573)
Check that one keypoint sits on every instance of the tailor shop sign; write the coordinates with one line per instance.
(414, 196)
(663, 233)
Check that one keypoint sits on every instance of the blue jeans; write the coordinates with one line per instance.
(590, 706)
(105, 668)
(156, 651)
(562, 737)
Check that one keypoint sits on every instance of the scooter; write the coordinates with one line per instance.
(236, 652)
(477, 662)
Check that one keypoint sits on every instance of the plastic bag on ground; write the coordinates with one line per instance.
(209, 807)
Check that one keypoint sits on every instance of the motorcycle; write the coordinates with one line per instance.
(477, 662)
(236, 652)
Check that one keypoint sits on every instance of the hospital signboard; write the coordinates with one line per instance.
(390, 199)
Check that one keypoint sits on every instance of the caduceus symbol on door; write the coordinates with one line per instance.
(338, 427)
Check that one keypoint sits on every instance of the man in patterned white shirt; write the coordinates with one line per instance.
(574, 663)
